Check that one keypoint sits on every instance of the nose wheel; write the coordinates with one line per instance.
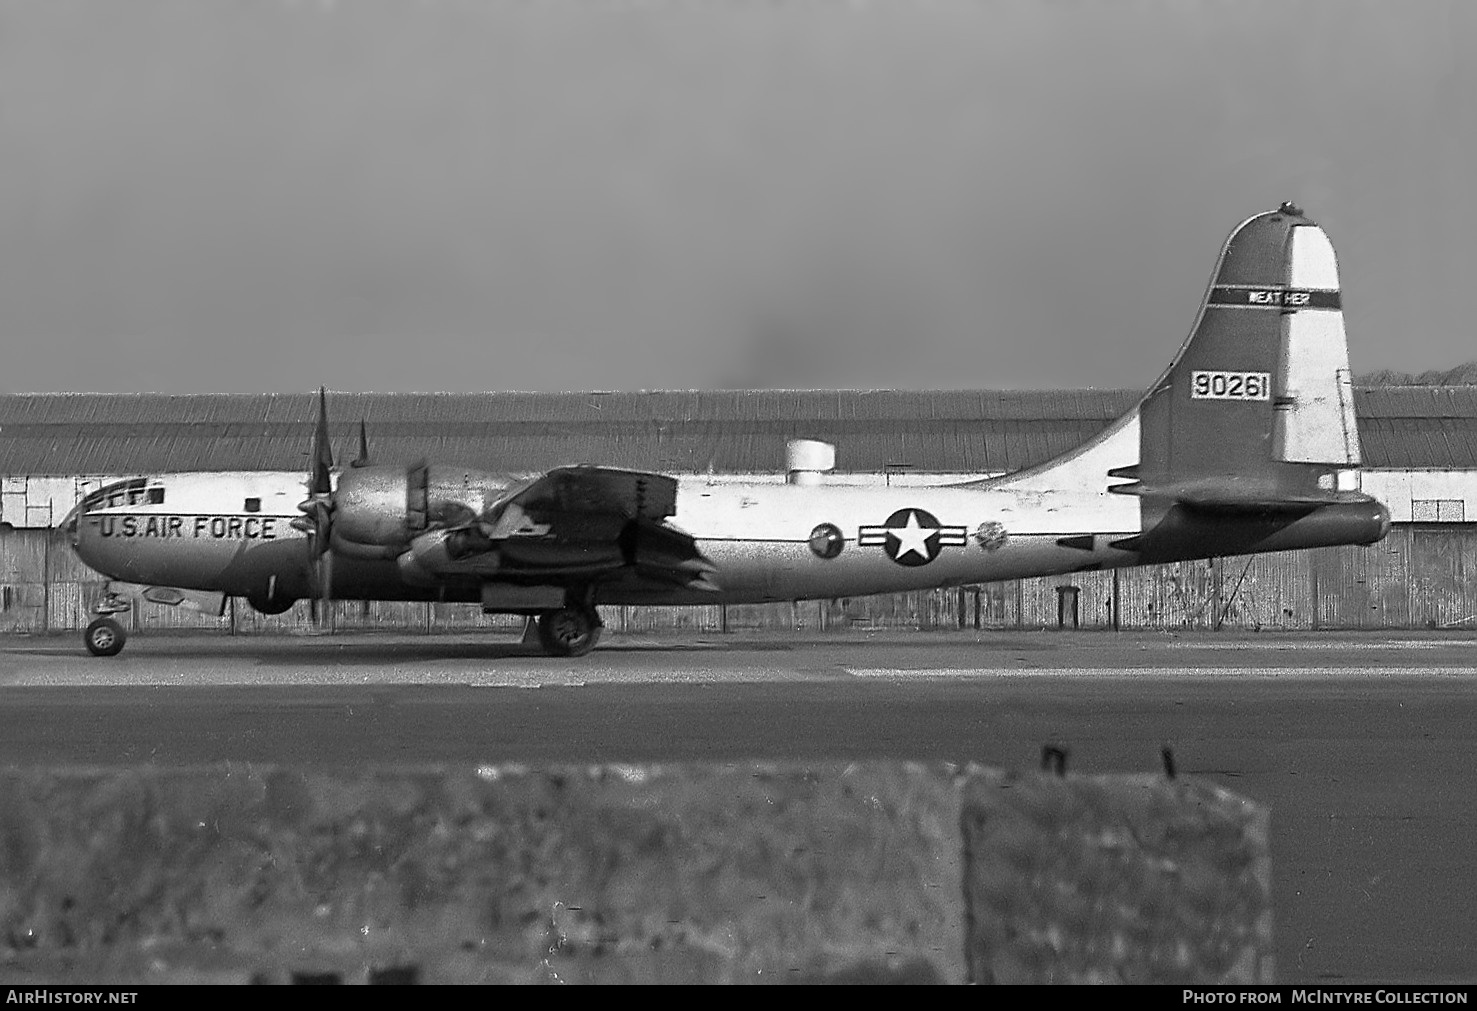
(569, 632)
(104, 637)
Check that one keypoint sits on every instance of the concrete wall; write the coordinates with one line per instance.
(1423, 575)
(1424, 494)
(852, 872)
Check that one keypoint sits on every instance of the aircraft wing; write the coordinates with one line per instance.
(594, 491)
(575, 525)
(622, 509)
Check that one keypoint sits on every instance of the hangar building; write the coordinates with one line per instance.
(1419, 443)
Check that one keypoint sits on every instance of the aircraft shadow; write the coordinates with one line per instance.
(367, 651)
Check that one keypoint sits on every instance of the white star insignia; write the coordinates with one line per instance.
(912, 538)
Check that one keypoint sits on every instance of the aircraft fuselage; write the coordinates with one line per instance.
(233, 533)
(1246, 443)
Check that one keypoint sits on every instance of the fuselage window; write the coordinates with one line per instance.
(156, 496)
(253, 505)
(826, 541)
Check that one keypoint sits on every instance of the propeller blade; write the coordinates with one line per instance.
(362, 460)
(320, 582)
(320, 482)
(312, 585)
(317, 515)
(325, 585)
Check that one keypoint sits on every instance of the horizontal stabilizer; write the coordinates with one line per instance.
(1240, 495)
(1253, 505)
(1196, 532)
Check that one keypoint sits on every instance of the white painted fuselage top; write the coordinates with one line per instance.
(187, 529)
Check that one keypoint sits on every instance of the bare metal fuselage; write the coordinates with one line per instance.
(757, 534)
(1246, 443)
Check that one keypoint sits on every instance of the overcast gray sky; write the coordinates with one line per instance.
(204, 195)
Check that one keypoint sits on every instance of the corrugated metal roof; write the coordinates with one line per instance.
(669, 406)
(951, 431)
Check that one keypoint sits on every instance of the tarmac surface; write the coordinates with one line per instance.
(1364, 746)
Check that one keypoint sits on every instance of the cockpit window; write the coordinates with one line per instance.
(119, 493)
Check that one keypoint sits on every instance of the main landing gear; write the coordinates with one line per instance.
(104, 637)
(572, 631)
(265, 604)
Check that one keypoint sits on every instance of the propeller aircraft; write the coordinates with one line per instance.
(1245, 444)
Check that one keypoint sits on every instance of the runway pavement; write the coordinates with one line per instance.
(500, 660)
(1364, 746)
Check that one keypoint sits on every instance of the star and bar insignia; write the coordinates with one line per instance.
(912, 537)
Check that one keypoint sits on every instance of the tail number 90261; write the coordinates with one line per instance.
(1214, 385)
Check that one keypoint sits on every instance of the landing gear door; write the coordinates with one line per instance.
(205, 601)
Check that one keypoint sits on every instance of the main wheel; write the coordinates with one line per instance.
(570, 632)
(104, 637)
(270, 605)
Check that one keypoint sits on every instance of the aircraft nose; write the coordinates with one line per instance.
(82, 531)
(72, 522)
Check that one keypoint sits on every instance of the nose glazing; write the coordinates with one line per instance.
(127, 492)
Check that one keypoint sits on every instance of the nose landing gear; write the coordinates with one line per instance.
(105, 637)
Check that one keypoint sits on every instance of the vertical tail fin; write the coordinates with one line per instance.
(1254, 416)
(1258, 405)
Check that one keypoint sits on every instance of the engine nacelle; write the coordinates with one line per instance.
(385, 507)
(369, 506)
(433, 554)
